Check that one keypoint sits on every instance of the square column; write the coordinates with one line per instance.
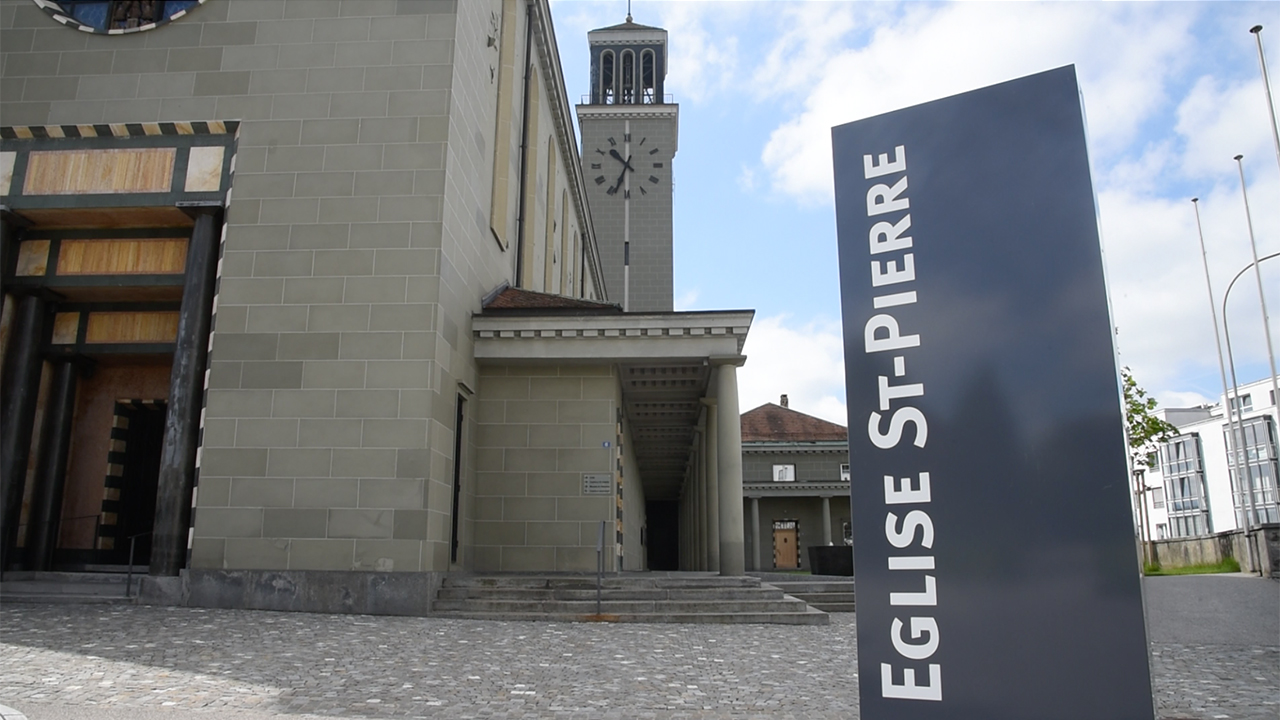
(186, 396)
(826, 520)
(729, 460)
(713, 492)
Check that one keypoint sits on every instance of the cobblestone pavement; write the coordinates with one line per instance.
(68, 662)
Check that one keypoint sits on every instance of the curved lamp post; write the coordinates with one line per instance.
(1236, 418)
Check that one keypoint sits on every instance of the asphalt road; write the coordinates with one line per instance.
(1213, 610)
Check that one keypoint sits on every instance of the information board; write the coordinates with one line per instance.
(993, 538)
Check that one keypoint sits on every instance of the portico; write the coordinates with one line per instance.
(647, 399)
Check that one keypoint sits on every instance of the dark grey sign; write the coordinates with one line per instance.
(993, 540)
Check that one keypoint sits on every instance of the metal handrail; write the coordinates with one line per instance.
(128, 582)
(667, 99)
(97, 525)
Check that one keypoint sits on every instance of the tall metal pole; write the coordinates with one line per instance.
(1240, 453)
(1226, 394)
(1257, 272)
(1271, 106)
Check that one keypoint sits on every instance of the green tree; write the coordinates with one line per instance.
(1144, 430)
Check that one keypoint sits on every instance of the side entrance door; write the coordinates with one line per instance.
(786, 553)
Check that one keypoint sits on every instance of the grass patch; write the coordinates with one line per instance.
(1230, 565)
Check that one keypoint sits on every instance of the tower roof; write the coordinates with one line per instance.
(627, 25)
(774, 423)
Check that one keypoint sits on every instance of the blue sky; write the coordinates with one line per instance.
(1172, 91)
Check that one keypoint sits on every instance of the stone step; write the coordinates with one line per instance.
(9, 598)
(809, 617)
(608, 593)
(580, 607)
(831, 607)
(626, 597)
(65, 587)
(813, 586)
(811, 597)
(588, 581)
(83, 578)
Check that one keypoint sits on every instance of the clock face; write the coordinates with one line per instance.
(612, 162)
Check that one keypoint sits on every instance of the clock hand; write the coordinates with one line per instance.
(621, 177)
(617, 156)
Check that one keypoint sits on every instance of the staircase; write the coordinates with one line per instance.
(67, 587)
(626, 597)
(828, 593)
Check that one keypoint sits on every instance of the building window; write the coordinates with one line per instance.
(1254, 469)
(1157, 497)
(1183, 470)
(1162, 531)
(1242, 403)
(784, 473)
(844, 472)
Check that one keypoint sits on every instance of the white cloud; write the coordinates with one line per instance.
(1124, 53)
(1218, 120)
(687, 300)
(804, 362)
(702, 61)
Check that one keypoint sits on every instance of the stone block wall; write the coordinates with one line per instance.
(757, 467)
(539, 429)
(652, 263)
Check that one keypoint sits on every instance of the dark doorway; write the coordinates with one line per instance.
(662, 540)
(458, 426)
(140, 427)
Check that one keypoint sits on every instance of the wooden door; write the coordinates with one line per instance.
(786, 555)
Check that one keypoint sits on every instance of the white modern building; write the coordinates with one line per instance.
(1198, 486)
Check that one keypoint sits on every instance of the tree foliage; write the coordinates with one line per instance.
(1144, 430)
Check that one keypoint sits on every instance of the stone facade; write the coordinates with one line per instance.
(365, 176)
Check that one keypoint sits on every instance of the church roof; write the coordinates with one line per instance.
(516, 299)
(774, 423)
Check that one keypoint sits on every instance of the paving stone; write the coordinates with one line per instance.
(138, 661)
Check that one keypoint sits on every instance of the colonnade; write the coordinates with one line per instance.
(711, 522)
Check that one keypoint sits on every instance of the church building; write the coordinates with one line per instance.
(309, 303)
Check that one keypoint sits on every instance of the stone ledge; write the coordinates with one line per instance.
(319, 591)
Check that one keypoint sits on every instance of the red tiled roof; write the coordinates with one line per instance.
(517, 299)
(774, 423)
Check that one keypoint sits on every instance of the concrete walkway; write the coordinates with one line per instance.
(1215, 652)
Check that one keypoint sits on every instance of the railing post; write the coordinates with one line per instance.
(128, 579)
(599, 563)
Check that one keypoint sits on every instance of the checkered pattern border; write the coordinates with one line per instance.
(119, 130)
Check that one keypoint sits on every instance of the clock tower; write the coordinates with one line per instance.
(628, 142)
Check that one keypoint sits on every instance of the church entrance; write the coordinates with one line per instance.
(113, 468)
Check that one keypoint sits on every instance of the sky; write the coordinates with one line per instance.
(1172, 92)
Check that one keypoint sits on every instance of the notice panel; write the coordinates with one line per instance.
(993, 540)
